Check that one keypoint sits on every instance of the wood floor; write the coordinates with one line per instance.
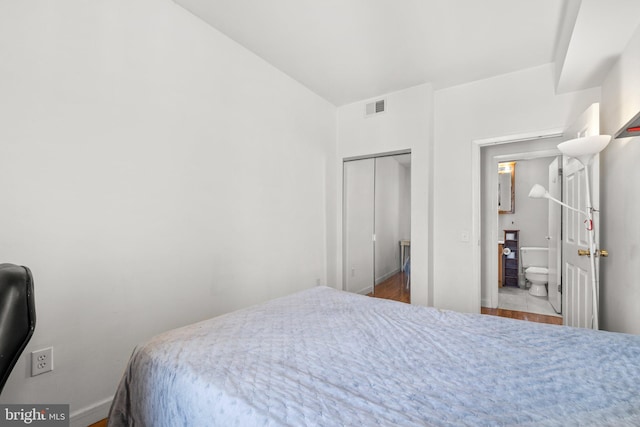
(395, 288)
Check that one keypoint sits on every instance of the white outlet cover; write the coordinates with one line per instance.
(41, 361)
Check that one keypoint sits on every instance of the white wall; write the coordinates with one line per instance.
(153, 173)
(510, 104)
(406, 124)
(619, 197)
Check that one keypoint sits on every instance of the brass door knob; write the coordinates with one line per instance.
(586, 252)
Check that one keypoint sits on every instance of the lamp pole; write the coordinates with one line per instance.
(592, 246)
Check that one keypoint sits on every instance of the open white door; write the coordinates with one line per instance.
(554, 236)
(577, 291)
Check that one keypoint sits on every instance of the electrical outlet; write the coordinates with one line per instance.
(41, 361)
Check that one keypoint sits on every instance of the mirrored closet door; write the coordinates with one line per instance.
(377, 226)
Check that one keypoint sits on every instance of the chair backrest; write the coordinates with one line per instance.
(17, 316)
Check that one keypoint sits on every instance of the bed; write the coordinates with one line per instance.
(323, 357)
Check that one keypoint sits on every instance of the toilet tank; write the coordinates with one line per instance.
(533, 256)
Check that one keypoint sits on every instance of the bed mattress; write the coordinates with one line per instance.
(323, 357)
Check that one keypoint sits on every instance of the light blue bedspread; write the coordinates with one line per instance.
(323, 357)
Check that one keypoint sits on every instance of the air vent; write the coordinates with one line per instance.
(373, 108)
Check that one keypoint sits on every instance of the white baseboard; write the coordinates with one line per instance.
(386, 276)
(91, 414)
(365, 291)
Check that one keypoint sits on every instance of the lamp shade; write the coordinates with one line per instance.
(538, 192)
(584, 147)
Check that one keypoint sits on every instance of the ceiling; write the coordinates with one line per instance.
(351, 50)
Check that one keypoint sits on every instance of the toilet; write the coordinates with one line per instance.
(534, 261)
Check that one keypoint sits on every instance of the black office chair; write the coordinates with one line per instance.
(17, 316)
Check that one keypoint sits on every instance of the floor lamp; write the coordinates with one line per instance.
(584, 150)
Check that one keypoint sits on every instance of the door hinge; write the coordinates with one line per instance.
(560, 288)
(560, 171)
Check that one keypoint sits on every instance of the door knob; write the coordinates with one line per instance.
(586, 252)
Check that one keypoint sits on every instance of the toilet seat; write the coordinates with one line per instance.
(537, 270)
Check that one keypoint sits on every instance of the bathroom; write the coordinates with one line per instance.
(524, 236)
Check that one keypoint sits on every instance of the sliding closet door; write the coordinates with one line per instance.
(387, 218)
(376, 225)
(392, 225)
(359, 225)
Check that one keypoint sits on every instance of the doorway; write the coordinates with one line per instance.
(377, 225)
(528, 231)
(579, 300)
(518, 218)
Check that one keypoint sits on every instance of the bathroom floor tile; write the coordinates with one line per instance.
(515, 307)
(512, 298)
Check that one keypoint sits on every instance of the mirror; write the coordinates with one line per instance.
(506, 187)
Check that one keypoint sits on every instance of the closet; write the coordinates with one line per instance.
(376, 219)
